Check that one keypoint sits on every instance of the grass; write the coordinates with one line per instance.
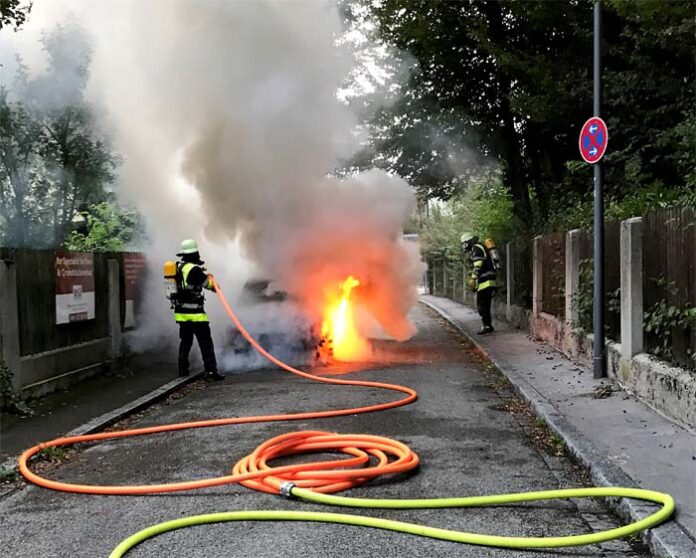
(8, 476)
(54, 454)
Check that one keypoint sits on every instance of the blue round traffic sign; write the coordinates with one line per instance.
(594, 137)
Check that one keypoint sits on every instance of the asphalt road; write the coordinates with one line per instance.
(461, 427)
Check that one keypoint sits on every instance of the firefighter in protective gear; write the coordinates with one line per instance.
(189, 310)
(482, 280)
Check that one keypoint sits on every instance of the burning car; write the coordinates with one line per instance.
(260, 306)
(294, 336)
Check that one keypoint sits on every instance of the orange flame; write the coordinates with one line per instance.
(339, 328)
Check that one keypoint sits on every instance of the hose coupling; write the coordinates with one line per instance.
(286, 489)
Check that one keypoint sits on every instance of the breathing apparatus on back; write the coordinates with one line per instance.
(469, 240)
(493, 253)
(171, 288)
(172, 271)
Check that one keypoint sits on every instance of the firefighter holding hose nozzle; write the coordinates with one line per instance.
(185, 281)
(483, 280)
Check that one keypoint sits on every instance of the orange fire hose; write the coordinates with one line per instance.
(312, 481)
(253, 471)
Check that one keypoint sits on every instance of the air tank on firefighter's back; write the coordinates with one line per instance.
(493, 252)
(170, 287)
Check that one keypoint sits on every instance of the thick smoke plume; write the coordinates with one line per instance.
(228, 122)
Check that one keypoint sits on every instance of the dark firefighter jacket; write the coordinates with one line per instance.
(484, 271)
(189, 305)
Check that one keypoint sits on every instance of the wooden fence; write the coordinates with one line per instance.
(612, 276)
(552, 254)
(669, 281)
(36, 301)
(521, 254)
(669, 284)
(449, 276)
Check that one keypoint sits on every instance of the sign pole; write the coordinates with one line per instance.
(599, 360)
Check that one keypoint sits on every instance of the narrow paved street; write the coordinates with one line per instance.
(472, 435)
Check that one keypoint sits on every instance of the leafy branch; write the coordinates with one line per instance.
(663, 318)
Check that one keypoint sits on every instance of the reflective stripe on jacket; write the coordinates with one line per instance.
(484, 271)
(189, 305)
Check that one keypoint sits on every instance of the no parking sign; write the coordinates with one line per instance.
(594, 137)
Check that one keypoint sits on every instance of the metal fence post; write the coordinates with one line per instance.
(599, 354)
(632, 287)
(114, 309)
(537, 277)
(428, 277)
(433, 277)
(572, 276)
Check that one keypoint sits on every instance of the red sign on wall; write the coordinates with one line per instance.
(74, 287)
(133, 271)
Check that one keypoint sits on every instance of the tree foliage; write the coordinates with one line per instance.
(485, 209)
(106, 229)
(512, 81)
(20, 187)
(13, 13)
(54, 159)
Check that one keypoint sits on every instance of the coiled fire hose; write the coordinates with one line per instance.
(313, 482)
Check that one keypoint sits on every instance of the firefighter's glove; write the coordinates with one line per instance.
(212, 283)
(472, 284)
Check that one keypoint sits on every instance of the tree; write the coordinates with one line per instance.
(462, 76)
(54, 160)
(408, 132)
(13, 13)
(512, 80)
(81, 165)
(484, 209)
(20, 188)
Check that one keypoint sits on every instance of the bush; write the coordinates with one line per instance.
(108, 229)
(484, 208)
(9, 399)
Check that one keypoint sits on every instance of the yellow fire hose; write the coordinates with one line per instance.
(423, 530)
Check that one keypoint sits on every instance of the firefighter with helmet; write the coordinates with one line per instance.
(188, 302)
(483, 279)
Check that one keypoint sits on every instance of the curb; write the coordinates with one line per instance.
(666, 541)
(107, 419)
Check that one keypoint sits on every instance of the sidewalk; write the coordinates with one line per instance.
(61, 412)
(622, 440)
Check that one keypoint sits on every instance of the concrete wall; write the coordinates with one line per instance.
(514, 315)
(668, 389)
(40, 373)
(47, 372)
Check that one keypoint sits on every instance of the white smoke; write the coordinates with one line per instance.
(227, 119)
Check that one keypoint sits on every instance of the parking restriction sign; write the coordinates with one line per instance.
(594, 137)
